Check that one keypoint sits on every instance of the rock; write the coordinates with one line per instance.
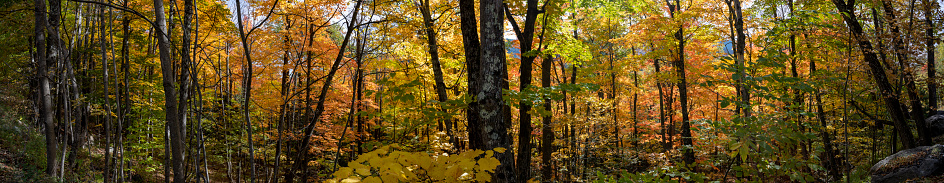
(909, 164)
(935, 125)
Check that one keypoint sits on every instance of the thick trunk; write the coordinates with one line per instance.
(170, 93)
(878, 73)
(471, 46)
(917, 111)
(491, 77)
(45, 100)
(929, 49)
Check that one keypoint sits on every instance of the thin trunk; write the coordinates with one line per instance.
(829, 161)
(526, 42)
(283, 113)
(433, 47)
(170, 94)
(688, 154)
(301, 160)
(247, 89)
(666, 145)
(107, 173)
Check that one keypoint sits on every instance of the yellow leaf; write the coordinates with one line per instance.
(351, 180)
(453, 172)
(343, 172)
(483, 177)
(365, 171)
(423, 160)
(500, 150)
(389, 178)
(372, 179)
(489, 164)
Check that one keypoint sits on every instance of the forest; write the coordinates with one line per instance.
(470, 90)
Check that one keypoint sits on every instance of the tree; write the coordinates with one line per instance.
(878, 72)
(688, 154)
(491, 105)
(44, 98)
(471, 46)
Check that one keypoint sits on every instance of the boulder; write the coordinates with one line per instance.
(935, 125)
(909, 164)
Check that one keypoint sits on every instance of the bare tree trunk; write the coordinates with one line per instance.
(170, 93)
(45, 100)
(471, 46)
(930, 49)
(247, 88)
(688, 154)
(493, 67)
(526, 38)
(433, 47)
(547, 131)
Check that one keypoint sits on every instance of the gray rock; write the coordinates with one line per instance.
(909, 164)
(935, 125)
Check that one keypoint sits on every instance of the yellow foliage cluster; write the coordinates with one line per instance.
(387, 164)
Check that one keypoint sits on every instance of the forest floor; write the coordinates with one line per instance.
(22, 146)
(21, 150)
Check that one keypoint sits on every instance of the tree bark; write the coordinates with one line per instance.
(491, 77)
(433, 47)
(45, 100)
(878, 72)
(170, 93)
(917, 111)
(471, 46)
(688, 155)
(829, 161)
(247, 89)
(930, 49)
(526, 42)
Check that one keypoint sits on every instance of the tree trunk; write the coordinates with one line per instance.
(433, 47)
(491, 109)
(829, 161)
(878, 73)
(107, 173)
(247, 89)
(917, 111)
(283, 112)
(688, 155)
(301, 160)
(471, 46)
(170, 93)
(930, 49)
(526, 42)
(45, 100)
